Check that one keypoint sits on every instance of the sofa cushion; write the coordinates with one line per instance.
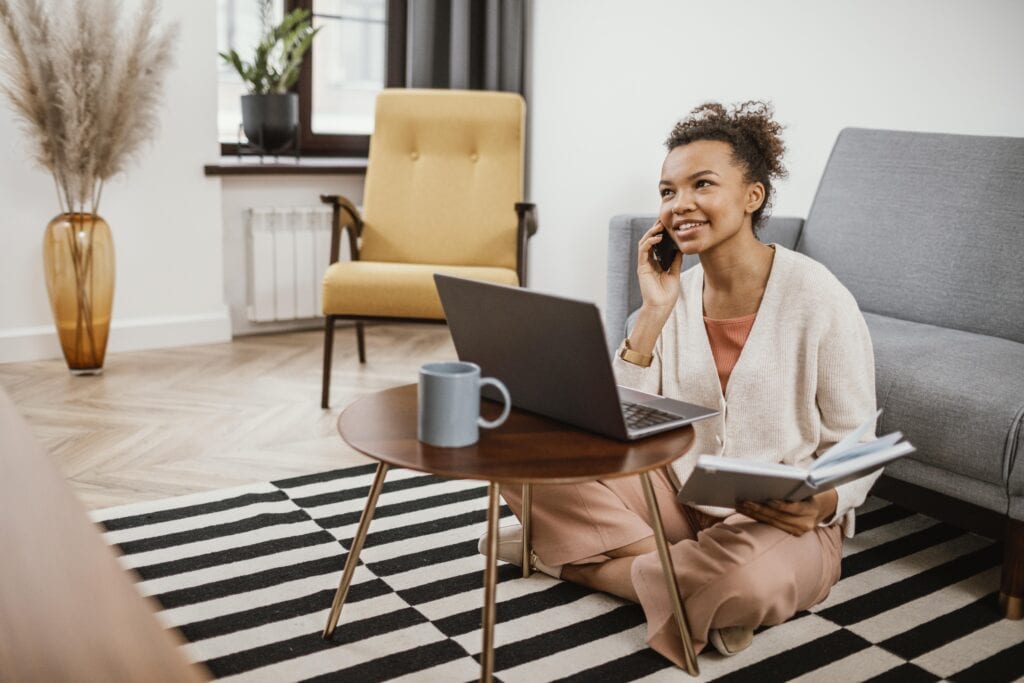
(957, 396)
(925, 227)
(989, 496)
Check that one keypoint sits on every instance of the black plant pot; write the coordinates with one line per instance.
(270, 121)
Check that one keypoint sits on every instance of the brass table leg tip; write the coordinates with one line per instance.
(1011, 606)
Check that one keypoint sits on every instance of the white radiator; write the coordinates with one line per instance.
(289, 250)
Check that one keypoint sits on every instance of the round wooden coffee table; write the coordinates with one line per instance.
(528, 449)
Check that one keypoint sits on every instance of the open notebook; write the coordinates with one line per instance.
(726, 481)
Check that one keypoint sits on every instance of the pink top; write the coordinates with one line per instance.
(727, 338)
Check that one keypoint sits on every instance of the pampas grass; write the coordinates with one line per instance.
(87, 91)
(85, 87)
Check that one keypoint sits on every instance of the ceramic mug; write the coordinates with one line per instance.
(448, 409)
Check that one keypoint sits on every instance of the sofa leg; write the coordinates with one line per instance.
(325, 395)
(1011, 595)
(361, 342)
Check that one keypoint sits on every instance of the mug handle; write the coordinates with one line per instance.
(497, 384)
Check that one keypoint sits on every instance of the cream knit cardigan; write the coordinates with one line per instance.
(805, 377)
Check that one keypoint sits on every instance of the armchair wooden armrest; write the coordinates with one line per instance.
(527, 213)
(346, 217)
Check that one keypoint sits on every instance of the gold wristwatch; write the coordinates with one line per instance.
(627, 354)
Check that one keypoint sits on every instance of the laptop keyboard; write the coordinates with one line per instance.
(640, 416)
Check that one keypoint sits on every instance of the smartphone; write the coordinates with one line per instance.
(665, 251)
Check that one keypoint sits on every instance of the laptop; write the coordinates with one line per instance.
(550, 352)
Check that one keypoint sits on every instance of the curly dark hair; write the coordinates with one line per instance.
(755, 138)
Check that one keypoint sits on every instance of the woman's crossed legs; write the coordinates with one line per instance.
(731, 572)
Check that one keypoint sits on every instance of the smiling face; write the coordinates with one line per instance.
(706, 200)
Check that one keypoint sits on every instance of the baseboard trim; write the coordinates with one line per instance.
(22, 344)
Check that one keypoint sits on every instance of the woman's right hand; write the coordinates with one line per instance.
(659, 288)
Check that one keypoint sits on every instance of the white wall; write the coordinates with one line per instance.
(608, 78)
(164, 214)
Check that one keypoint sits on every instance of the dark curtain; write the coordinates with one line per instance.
(466, 44)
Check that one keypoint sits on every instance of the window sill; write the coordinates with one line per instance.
(284, 165)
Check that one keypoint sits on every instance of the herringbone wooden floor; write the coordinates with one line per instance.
(175, 421)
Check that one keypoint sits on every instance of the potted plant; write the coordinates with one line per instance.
(87, 88)
(270, 113)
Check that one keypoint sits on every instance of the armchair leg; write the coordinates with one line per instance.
(325, 396)
(1011, 594)
(361, 342)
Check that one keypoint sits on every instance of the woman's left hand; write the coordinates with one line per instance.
(795, 518)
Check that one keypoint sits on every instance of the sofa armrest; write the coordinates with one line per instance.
(623, 290)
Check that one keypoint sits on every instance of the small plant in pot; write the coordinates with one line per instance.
(270, 113)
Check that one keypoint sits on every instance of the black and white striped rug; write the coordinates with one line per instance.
(248, 574)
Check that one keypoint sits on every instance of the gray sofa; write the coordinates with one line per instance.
(927, 232)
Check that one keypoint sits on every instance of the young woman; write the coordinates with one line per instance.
(780, 346)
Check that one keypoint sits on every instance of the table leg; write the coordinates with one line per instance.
(689, 656)
(490, 583)
(527, 502)
(353, 554)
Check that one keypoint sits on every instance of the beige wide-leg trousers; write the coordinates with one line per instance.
(731, 572)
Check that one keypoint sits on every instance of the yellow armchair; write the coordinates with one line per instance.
(443, 194)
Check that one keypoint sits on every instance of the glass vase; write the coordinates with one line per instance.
(78, 254)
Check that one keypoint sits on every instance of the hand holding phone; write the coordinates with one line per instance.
(660, 284)
(665, 251)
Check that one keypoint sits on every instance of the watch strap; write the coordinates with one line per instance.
(627, 354)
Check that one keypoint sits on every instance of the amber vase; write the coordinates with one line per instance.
(78, 253)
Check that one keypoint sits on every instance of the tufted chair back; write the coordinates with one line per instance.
(445, 171)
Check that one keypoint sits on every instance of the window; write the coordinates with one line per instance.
(348, 70)
(363, 50)
(359, 50)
